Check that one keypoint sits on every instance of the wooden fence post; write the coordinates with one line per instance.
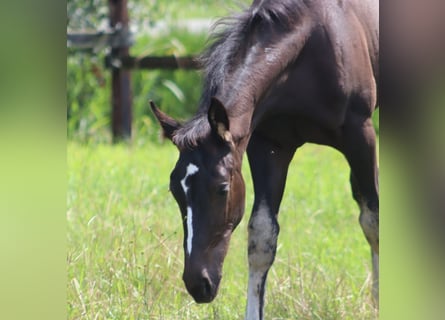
(121, 97)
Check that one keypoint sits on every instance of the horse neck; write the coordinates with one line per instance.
(253, 75)
(243, 91)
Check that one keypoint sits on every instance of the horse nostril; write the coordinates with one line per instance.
(203, 292)
(202, 288)
(207, 287)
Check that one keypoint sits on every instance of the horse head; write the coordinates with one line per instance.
(208, 187)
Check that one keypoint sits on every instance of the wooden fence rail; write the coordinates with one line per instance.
(165, 62)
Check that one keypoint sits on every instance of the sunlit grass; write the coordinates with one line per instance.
(125, 241)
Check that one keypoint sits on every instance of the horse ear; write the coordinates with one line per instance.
(219, 121)
(168, 124)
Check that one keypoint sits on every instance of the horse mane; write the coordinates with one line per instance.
(225, 47)
(191, 133)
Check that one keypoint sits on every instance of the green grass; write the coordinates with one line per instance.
(125, 255)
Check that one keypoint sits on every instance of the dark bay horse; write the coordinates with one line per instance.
(278, 75)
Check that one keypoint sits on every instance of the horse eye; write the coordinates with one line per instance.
(223, 188)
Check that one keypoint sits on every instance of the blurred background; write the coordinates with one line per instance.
(159, 29)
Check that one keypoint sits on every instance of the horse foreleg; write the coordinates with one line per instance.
(268, 164)
(263, 232)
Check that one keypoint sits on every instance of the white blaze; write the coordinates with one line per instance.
(189, 230)
(191, 170)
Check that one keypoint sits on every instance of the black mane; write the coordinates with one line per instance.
(227, 43)
(234, 32)
(191, 133)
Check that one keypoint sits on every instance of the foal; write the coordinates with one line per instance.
(280, 74)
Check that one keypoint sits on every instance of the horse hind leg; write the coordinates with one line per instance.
(360, 151)
(369, 221)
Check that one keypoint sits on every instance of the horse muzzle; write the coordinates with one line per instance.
(201, 286)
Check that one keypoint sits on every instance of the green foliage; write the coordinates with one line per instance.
(177, 92)
(124, 241)
(88, 82)
(86, 14)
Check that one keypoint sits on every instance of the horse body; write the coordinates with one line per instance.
(281, 74)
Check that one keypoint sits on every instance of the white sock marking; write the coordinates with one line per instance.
(253, 296)
(261, 235)
(191, 170)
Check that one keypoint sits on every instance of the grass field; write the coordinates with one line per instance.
(125, 241)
